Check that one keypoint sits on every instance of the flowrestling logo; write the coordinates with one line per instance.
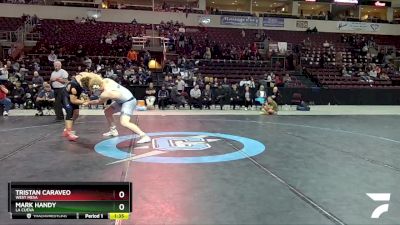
(185, 147)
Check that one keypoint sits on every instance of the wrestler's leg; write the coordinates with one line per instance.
(109, 112)
(127, 109)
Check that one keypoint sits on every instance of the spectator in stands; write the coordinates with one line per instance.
(4, 101)
(37, 80)
(372, 73)
(195, 97)
(207, 54)
(80, 53)
(207, 96)
(380, 56)
(23, 71)
(58, 79)
(247, 97)
(163, 96)
(3, 73)
(270, 107)
(244, 82)
(222, 96)
(45, 99)
(261, 95)
(180, 84)
(88, 62)
(109, 73)
(146, 59)
(243, 34)
(30, 96)
(177, 97)
(16, 67)
(278, 81)
(234, 95)
(77, 20)
(150, 96)
(326, 44)
(276, 95)
(287, 79)
(17, 95)
(132, 56)
(52, 57)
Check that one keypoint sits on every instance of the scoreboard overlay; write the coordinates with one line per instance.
(70, 200)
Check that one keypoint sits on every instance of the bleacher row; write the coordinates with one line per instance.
(332, 78)
(10, 24)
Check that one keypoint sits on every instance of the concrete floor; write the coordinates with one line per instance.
(314, 169)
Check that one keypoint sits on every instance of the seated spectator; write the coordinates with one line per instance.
(326, 44)
(244, 82)
(248, 98)
(361, 73)
(77, 20)
(37, 80)
(221, 96)
(234, 96)
(345, 73)
(177, 97)
(30, 96)
(270, 107)
(52, 57)
(180, 84)
(109, 73)
(195, 97)
(384, 76)
(150, 96)
(45, 99)
(287, 79)
(207, 96)
(88, 62)
(163, 96)
(3, 73)
(279, 81)
(17, 95)
(372, 73)
(4, 101)
(207, 54)
(132, 55)
(261, 95)
(276, 96)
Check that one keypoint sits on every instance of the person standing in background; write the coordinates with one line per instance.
(58, 79)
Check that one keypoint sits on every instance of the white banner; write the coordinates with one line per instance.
(358, 26)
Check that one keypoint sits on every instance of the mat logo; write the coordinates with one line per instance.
(168, 142)
(180, 143)
(379, 197)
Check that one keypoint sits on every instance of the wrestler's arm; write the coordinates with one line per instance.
(106, 95)
(74, 99)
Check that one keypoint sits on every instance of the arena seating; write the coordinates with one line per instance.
(71, 35)
(10, 24)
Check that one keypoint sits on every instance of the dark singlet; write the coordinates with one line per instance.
(77, 86)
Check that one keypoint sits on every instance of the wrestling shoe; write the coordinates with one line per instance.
(71, 137)
(111, 133)
(143, 139)
(65, 133)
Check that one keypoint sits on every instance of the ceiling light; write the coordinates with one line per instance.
(256, 4)
(283, 9)
(213, 2)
